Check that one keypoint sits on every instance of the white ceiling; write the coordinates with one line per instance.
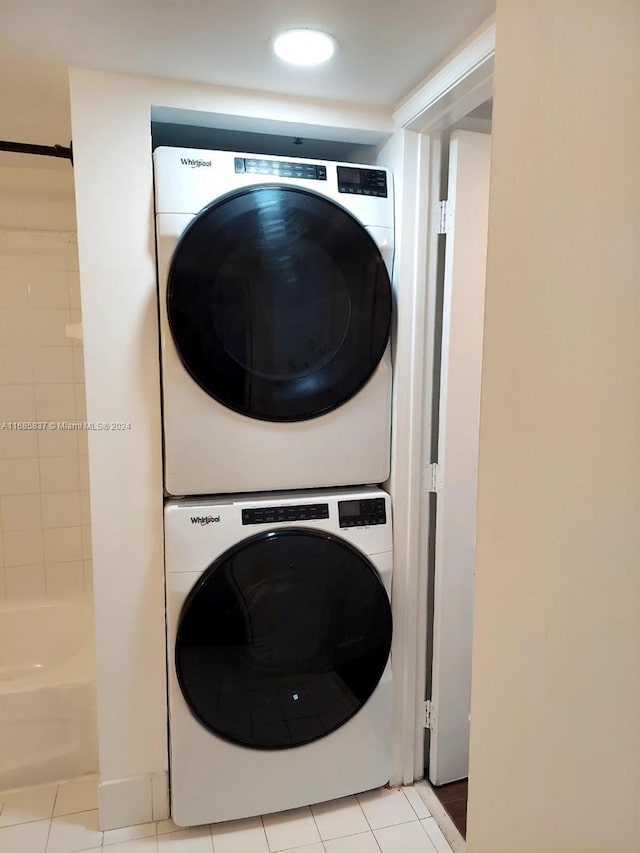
(386, 46)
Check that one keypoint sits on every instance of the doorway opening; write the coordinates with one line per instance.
(453, 455)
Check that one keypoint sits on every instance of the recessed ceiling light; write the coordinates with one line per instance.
(304, 47)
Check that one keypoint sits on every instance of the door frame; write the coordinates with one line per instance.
(459, 85)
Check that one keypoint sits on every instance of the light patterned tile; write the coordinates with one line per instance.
(87, 566)
(80, 402)
(194, 840)
(47, 327)
(18, 403)
(79, 795)
(25, 837)
(62, 544)
(62, 509)
(55, 401)
(49, 289)
(30, 804)
(293, 828)
(20, 512)
(14, 290)
(416, 803)
(308, 848)
(78, 365)
(386, 807)
(239, 836)
(18, 444)
(15, 326)
(15, 365)
(59, 474)
(404, 838)
(83, 468)
(149, 844)
(73, 832)
(23, 547)
(19, 477)
(53, 364)
(435, 835)
(128, 833)
(364, 842)
(57, 442)
(339, 817)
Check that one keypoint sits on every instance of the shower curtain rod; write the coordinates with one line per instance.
(41, 150)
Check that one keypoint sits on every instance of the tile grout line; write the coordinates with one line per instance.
(368, 824)
(53, 808)
(402, 787)
(420, 819)
(264, 830)
(315, 823)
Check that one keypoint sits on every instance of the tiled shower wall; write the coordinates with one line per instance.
(45, 542)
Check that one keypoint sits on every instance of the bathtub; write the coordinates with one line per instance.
(47, 693)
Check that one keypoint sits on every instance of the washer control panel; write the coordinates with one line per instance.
(275, 514)
(362, 513)
(362, 181)
(279, 168)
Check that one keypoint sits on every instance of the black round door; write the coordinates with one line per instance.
(283, 639)
(279, 303)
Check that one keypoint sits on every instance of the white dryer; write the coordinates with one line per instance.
(278, 635)
(275, 312)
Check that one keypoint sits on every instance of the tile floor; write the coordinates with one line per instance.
(63, 818)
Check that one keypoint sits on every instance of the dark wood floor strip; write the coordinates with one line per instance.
(454, 799)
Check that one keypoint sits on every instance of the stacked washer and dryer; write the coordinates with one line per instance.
(275, 314)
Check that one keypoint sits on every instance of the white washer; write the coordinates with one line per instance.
(275, 312)
(278, 637)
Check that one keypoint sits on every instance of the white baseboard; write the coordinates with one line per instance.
(136, 799)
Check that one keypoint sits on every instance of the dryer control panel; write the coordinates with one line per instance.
(271, 514)
(280, 168)
(362, 513)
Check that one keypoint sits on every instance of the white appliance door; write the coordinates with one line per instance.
(279, 303)
(462, 334)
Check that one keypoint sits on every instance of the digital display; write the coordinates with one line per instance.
(350, 176)
(362, 513)
(357, 181)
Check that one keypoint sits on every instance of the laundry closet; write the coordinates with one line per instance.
(361, 155)
(275, 308)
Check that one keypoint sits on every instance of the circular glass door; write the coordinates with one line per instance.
(283, 639)
(279, 303)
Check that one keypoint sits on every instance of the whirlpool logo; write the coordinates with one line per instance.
(195, 164)
(205, 519)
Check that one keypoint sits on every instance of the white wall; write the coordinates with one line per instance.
(111, 135)
(555, 734)
(34, 99)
